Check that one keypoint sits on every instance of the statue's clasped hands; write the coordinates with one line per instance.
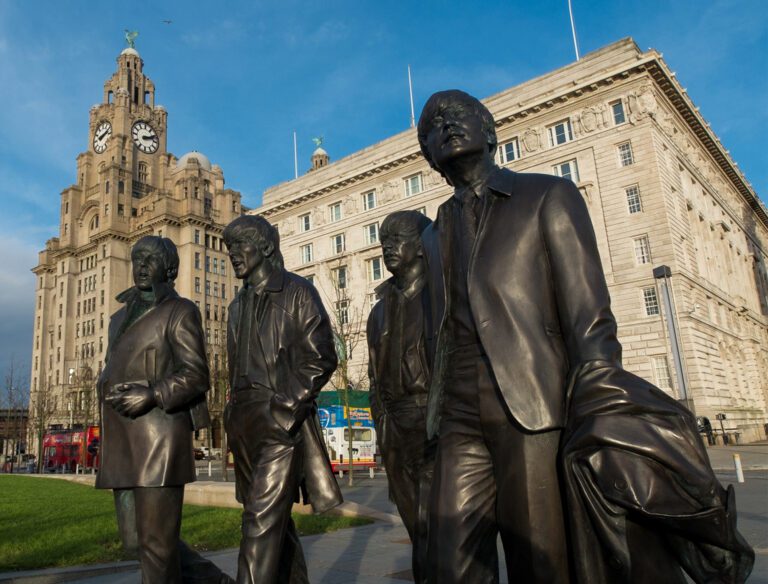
(131, 399)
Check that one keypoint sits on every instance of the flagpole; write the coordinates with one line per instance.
(295, 157)
(573, 30)
(410, 93)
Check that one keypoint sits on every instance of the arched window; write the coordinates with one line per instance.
(143, 172)
(94, 222)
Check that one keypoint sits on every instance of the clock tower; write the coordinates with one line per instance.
(128, 185)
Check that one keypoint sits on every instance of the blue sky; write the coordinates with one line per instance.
(237, 78)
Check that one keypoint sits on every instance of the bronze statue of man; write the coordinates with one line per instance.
(152, 397)
(281, 352)
(399, 378)
(525, 358)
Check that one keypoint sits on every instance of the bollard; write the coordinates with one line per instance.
(739, 470)
(77, 469)
(370, 471)
(197, 471)
(341, 474)
(209, 468)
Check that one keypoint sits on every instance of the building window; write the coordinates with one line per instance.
(633, 199)
(215, 290)
(305, 222)
(223, 269)
(642, 250)
(306, 253)
(207, 263)
(422, 210)
(338, 244)
(215, 265)
(334, 212)
(371, 232)
(568, 169)
(509, 151)
(197, 236)
(560, 133)
(197, 260)
(310, 278)
(369, 200)
(121, 210)
(661, 373)
(342, 312)
(340, 277)
(197, 285)
(143, 173)
(375, 271)
(651, 301)
(617, 109)
(625, 154)
(413, 185)
(207, 287)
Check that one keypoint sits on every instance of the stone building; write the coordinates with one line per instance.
(128, 186)
(661, 190)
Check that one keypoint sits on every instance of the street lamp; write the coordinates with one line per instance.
(663, 274)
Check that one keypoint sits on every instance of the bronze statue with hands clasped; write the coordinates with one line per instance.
(152, 397)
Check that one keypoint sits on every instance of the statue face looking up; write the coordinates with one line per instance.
(246, 256)
(455, 131)
(148, 268)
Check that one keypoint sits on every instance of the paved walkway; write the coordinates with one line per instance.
(380, 553)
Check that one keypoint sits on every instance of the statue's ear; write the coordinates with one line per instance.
(267, 248)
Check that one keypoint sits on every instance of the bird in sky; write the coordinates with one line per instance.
(167, 21)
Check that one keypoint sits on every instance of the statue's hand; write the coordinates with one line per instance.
(131, 399)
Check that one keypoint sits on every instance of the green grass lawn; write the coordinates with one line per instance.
(49, 522)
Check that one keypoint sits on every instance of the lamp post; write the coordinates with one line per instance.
(663, 274)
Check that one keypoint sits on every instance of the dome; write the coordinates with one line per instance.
(130, 51)
(201, 159)
(319, 152)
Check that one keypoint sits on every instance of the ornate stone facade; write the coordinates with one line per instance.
(128, 186)
(660, 187)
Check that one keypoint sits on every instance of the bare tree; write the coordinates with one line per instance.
(15, 402)
(83, 401)
(217, 401)
(348, 320)
(42, 407)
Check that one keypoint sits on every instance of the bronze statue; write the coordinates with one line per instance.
(152, 397)
(529, 400)
(281, 353)
(397, 368)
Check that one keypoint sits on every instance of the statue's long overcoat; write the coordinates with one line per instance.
(164, 349)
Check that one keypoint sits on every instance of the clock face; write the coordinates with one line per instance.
(101, 137)
(145, 137)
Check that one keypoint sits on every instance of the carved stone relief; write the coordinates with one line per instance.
(318, 217)
(389, 190)
(432, 178)
(531, 140)
(350, 205)
(592, 118)
(642, 104)
(287, 227)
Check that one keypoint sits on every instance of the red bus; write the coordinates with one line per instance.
(65, 449)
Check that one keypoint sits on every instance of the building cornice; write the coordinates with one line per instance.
(507, 108)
